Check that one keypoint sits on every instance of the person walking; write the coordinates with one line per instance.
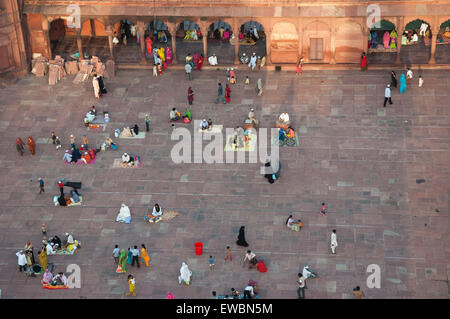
(61, 187)
(42, 257)
(420, 81)
(96, 87)
(122, 265)
(188, 68)
(212, 262)
(131, 286)
(145, 259)
(220, 94)
(323, 209)
(393, 79)
(31, 145)
(19, 146)
(147, 122)
(363, 62)
(333, 243)
(41, 186)
(259, 88)
(116, 254)
(387, 95)
(135, 253)
(190, 96)
(22, 260)
(228, 254)
(402, 83)
(301, 286)
(227, 93)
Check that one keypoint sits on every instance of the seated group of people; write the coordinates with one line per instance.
(292, 224)
(58, 280)
(193, 35)
(239, 137)
(206, 125)
(127, 159)
(130, 132)
(175, 115)
(249, 35)
(62, 200)
(109, 144)
(55, 243)
(220, 34)
(82, 154)
(155, 215)
(92, 115)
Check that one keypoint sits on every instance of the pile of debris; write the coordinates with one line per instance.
(57, 68)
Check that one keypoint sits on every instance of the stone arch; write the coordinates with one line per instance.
(284, 42)
(349, 42)
(93, 27)
(312, 33)
(414, 24)
(249, 41)
(444, 25)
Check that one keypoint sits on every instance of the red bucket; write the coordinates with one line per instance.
(198, 248)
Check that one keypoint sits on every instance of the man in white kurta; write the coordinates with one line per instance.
(284, 117)
(212, 59)
(252, 63)
(333, 241)
(96, 87)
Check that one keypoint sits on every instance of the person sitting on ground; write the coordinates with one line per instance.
(174, 115)
(127, 158)
(251, 257)
(210, 125)
(284, 117)
(136, 129)
(62, 201)
(290, 133)
(157, 211)
(194, 35)
(290, 221)
(232, 76)
(204, 124)
(49, 249)
(93, 110)
(75, 196)
(212, 59)
(47, 277)
(68, 241)
(59, 280)
(251, 117)
(67, 156)
(235, 293)
(244, 58)
(90, 116)
(126, 132)
(57, 243)
(187, 115)
(249, 292)
(415, 37)
(188, 35)
(76, 155)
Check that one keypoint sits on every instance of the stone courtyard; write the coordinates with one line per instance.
(363, 160)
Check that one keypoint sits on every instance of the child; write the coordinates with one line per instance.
(44, 230)
(159, 69)
(247, 80)
(420, 81)
(228, 256)
(323, 210)
(53, 138)
(212, 260)
(155, 73)
(131, 285)
(58, 143)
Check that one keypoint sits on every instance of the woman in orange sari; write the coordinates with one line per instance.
(31, 145)
(144, 256)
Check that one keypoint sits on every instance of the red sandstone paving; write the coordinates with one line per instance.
(361, 159)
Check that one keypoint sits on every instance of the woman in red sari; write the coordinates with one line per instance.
(19, 146)
(363, 62)
(200, 62)
(31, 145)
(227, 94)
(148, 44)
(190, 96)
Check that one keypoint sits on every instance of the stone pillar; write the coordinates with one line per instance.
(140, 28)
(236, 28)
(268, 41)
(333, 42)
(204, 29)
(173, 32)
(366, 40)
(79, 44)
(109, 32)
(46, 31)
(435, 31)
(92, 22)
(399, 30)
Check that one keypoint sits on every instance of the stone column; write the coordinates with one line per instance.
(79, 44)
(140, 28)
(92, 22)
(268, 40)
(236, 28)
(366, 40)
(399, 30)
(173, 32)
(109, 32)
(435, 31)
(204, 29)
(45, 29)
(333, 42)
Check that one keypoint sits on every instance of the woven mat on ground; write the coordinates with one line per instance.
(46, 286)
(140, 135)
(99, 119)
(118, 162)
(169, 214)
(288, 142)
(96, 127)
(249, 146)
(179, 121)
(214, 129)
(244, 42)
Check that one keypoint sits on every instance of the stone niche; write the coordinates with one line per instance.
(284, 43)
(349, 42)
(316, 30)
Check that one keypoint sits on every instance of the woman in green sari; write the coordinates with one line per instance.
(121, 268)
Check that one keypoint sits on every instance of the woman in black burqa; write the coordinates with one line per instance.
(241, 237)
